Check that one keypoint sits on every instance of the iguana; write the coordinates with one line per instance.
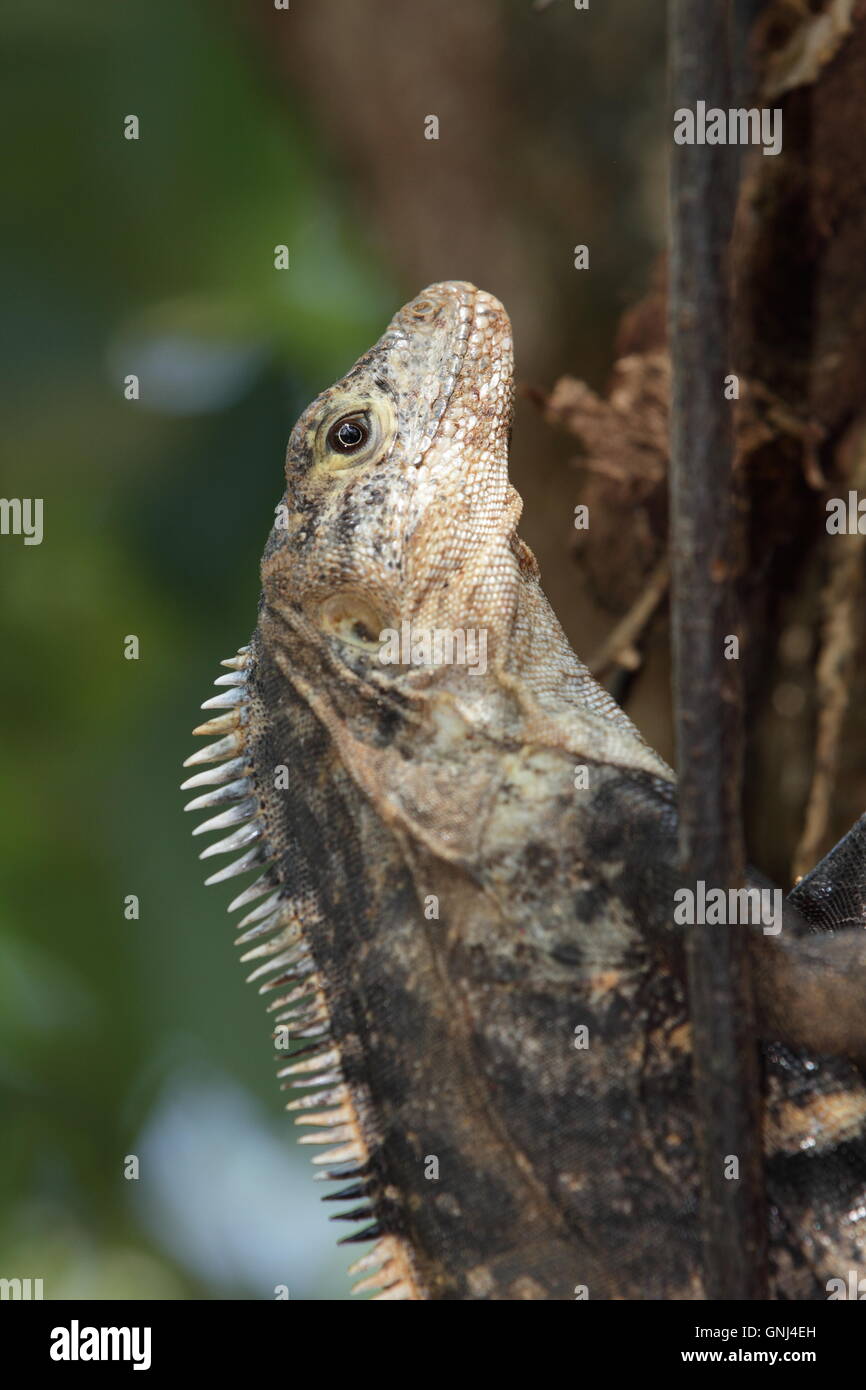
(462, 863)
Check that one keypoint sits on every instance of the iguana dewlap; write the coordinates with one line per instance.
(460, 867)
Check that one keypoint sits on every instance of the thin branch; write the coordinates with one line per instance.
(706, 685)
(620, 646)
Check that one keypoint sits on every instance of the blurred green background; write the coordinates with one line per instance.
(156, 257)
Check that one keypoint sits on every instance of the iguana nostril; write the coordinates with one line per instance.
(424, 309)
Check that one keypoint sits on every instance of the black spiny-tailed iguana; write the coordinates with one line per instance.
(443, 902)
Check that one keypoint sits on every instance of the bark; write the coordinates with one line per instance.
(798, 346)
(707, 688)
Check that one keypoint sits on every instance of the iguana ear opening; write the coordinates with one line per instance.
(351, 619)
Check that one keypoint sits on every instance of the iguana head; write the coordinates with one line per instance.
(395, 555)
(398, 506)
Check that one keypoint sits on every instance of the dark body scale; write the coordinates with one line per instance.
(456, 1035)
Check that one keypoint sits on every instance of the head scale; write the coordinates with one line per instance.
(398, 506)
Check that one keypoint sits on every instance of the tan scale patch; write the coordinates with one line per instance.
(814, 1123)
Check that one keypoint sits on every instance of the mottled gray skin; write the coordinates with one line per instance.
(467, 903)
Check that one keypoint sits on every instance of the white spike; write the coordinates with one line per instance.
(265, 884)
(232, 678)
(245, 836)
(290, 936)
(289, 960)
(263, 910)
(240, 866)
(340, 1134)
(337, 1096)
(300, 992)
(223, 724)
(374, 1259)
(327, 1078)
(233, 791)
(303, 967)
(301, 998)
(308, 1064)
(397, 1293)
(387, 1276)
(265, 927)
(308, 1032)
(348, 1153)
(327, 1118)
(299, 1012)
(233, 816)
(236, 663)
(309, 1012)
(224, 748)
(228, 699)
(372, 1281)
(223, 772)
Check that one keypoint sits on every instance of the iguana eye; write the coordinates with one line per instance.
(348, 435)
(354, 432)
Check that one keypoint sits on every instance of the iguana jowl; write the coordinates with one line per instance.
(445, 902)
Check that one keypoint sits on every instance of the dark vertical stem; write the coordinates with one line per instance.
(706, 684)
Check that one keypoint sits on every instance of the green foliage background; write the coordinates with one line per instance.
(154, 521)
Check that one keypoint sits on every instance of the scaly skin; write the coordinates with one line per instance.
(448, 902)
